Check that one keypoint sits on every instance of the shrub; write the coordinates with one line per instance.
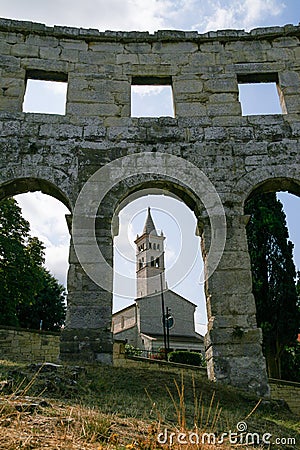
(184, 357)
(130, 350)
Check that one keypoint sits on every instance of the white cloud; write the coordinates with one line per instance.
(240, 14)
(100, 14)
(57, 88)
(148, 90)
(150, 15)
(46, 216)
(56, 261)
(256, 10)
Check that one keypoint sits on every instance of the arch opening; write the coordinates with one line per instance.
(26, 185)
(173, 212)
(273, 206)
(43, 206)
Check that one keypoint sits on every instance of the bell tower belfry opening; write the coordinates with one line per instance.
(150, 264)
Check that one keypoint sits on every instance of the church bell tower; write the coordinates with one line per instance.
(150, 264)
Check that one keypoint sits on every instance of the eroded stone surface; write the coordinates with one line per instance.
(58, 154)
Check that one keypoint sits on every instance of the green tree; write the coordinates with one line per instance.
(27, 288)
(273, 274)
(18, 278)
(291, 355)
(47, 309)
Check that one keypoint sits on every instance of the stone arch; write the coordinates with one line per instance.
(269, 179)
(107, 221)
(88, 327)
(156, 186)
(17, 186)
(23, 185)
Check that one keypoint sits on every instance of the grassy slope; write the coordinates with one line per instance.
(116, 406)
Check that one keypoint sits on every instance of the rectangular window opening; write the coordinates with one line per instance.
(152, 97)
(46, 92)
(260, 94)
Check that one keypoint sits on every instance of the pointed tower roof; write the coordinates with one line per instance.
(149, 225)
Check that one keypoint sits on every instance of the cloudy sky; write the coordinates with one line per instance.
(151, 15)
(46, 215)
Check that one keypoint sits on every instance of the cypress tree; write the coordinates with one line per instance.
(274, 278)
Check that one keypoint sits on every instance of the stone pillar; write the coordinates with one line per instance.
(233, 342)
(87, 334)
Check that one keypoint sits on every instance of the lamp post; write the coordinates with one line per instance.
(168, 317)
(163, 317)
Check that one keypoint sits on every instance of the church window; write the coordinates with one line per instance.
(157, 262)
(152, 261)
(157, 246)
(150, 245)
(140, 264)
(154, 246)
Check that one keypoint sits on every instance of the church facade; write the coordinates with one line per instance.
(159, 317)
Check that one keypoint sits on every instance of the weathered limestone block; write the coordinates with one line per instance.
(44, 65)
(127, 58)
(93, 109)
(224, 109)
(94, 57)
(282, 54)
(231, 304)
(221, 84)
(292, 103)
(186, 109)
(85, 90)
(187, 85)
(64, 131)
(5, 48)
(87, 317)
(50, 53)
(25, 50)
(286, 42)
(183, 47)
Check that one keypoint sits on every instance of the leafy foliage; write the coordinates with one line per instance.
(273, 274)
(48, 308)
(291, 363)
(130, 350)
(28, 292)
(184, 357)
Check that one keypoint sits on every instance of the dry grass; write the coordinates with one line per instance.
(122, 409)
(28, 423)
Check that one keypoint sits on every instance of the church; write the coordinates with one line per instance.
(159, 318)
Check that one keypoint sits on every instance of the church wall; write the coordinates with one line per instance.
(151, 314)
(131, 336)
(124, 319)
